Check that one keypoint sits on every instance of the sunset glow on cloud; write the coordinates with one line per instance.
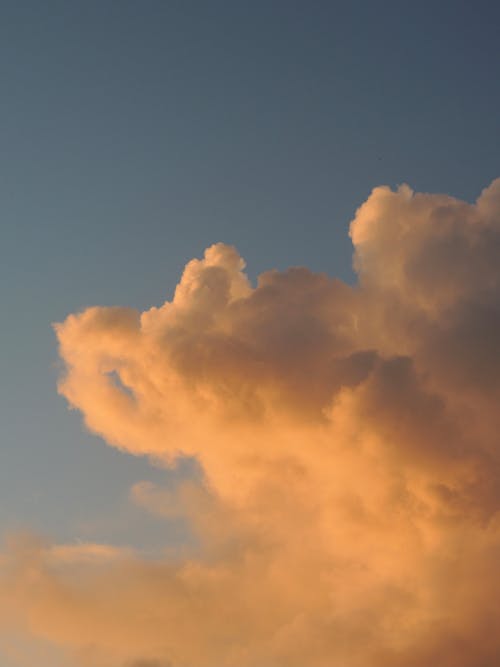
(346, 513)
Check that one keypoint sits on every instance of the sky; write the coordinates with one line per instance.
(134, 136)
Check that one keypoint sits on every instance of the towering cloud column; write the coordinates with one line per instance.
(347, 511)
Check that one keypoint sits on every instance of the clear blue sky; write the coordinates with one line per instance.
(134, 134)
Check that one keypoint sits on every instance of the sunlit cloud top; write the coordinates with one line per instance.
(347, 509)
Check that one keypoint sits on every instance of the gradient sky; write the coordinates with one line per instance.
(135, 134)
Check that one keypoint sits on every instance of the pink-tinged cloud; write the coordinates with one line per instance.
(348, 436)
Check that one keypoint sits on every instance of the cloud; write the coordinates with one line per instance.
(348, 508)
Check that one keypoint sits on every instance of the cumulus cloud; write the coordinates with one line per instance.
(347, 511)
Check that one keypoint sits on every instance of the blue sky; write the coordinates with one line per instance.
(135, 134)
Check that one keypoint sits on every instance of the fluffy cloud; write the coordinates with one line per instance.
(348, 510)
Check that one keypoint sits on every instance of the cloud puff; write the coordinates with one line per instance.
(348, 511)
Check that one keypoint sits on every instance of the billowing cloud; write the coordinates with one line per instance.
(348, 510)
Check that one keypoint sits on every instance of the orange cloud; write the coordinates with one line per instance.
(348, 514)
